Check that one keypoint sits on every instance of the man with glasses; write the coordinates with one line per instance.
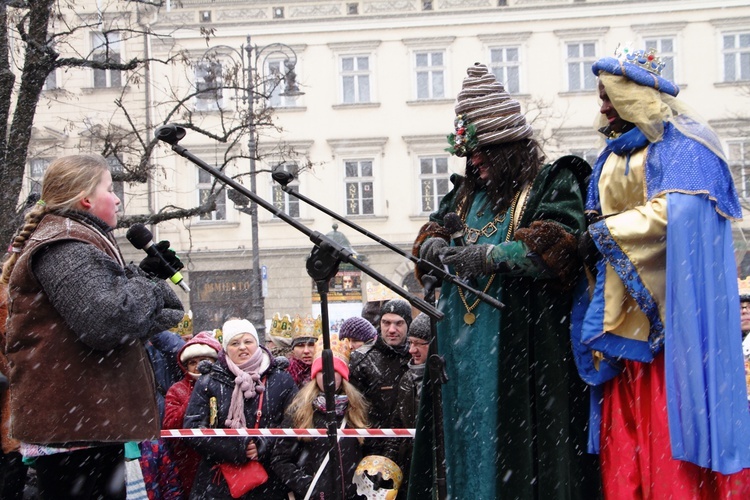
(376, 370)
(409, 391)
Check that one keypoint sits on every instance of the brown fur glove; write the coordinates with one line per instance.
(557, 248)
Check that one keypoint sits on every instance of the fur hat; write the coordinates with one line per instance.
(197, 351)
(420, 327)
(340, 349)
(485, 114)
(204, 344)
(357, 328)
(234, 327)
(399, 307)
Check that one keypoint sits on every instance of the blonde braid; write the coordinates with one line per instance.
(66, 180)
(31, 221)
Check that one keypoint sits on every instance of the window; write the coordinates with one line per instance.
(433, 180)
(665, 50)
(37, 167)
(106, 49)
(276, 69)
(116, 167)
(739, 161)
(283, 200)
(205, 185)
(430, 69)
(355, 79)
(580, 58)
(50, 83)
(736, 54)
(208, 86)
(358, 183)
(504, 64)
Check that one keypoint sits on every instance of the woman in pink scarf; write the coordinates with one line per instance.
(227, 397)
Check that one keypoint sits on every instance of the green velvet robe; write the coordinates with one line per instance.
(514, 409)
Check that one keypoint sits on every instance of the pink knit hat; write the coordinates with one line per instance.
(341, 350)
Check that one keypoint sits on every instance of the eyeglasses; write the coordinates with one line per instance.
(420, 343)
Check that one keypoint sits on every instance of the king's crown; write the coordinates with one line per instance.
(646, 59)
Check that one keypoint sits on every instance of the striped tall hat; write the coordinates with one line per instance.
(486, 114)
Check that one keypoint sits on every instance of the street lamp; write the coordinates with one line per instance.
(255, 66)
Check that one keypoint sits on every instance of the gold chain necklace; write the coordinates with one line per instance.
(470, 317)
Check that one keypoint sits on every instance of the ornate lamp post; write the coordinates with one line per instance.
(254, 68)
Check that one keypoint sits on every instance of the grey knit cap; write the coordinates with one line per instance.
(399, 307)
(420, 327)
(357, 328)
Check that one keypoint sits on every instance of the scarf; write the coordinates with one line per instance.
(341, 404)
(246, 386)
(299, 371)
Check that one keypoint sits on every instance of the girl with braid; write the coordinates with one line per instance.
(81, 382)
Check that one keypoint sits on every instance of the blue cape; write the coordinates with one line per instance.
(706, 394)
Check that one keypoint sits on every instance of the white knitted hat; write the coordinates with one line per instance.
(234, 327)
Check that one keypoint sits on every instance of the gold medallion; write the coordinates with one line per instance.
(469, 318)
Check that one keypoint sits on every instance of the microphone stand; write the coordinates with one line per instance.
(435, 362)
(284, 178)
(437, 377)
(322, 265)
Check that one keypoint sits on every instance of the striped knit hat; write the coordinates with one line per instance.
(485, 114)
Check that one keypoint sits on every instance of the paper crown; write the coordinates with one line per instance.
(744, 288)
(641, 66)
(341, 348)
(281, 326)
(307, 327)
(185, 327)
(379, 292)
(371, 465)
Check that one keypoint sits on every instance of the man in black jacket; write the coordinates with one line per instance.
(376, 370)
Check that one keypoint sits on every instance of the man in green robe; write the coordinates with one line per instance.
(514, 409)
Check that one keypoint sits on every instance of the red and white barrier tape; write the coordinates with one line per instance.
(282, 433)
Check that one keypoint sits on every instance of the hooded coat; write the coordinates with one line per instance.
(214, 390)
(176, 402)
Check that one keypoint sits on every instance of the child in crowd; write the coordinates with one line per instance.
(299, 463)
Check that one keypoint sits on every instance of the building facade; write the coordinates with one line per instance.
(368, 137)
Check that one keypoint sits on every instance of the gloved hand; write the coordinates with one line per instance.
(430, 250)
(155, 267)
(587, 251)
(468, 261)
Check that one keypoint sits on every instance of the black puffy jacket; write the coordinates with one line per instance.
(376, 371)
(219, 383)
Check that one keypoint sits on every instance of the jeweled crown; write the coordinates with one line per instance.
(341, 348)
(646, 59)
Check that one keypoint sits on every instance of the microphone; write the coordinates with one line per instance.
(455, 226)
(282, 176)
(141, 238)
(170, 133)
